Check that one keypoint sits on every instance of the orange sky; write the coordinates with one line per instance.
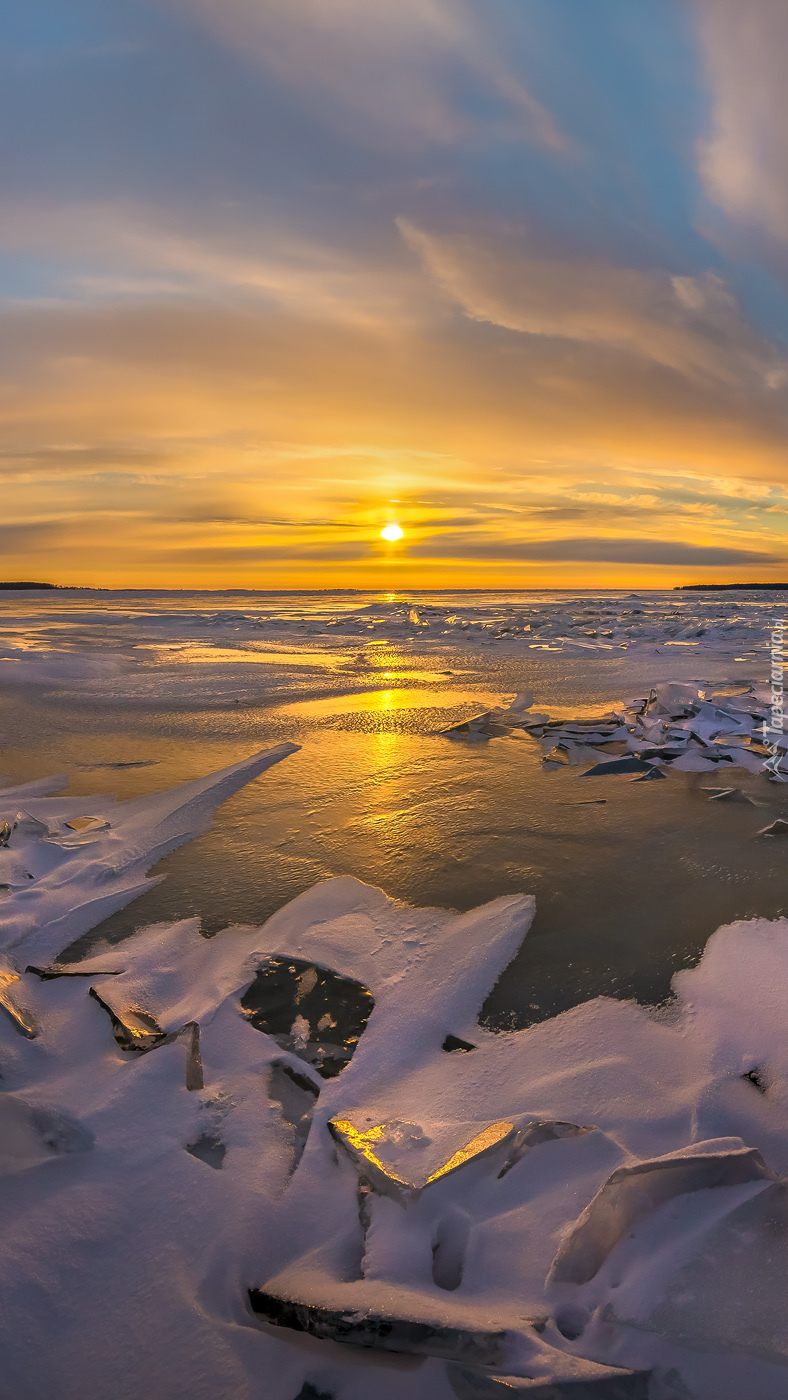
(538, 324)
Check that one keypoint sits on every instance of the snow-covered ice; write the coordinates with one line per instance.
(62, 869)
(151, 1225)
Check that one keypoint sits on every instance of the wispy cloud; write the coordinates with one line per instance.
(689, 324)
(743, 158)
(597, 551)
(387, 74)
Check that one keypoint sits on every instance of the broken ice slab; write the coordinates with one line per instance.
(779, 827)
(138, 1032)
(5, 833)
(560, 754)
(22, 1019)
(400, 1159)
(315, 1013)
(48, 973)
(542, 1130)
(191, 1034)
(99, 871)
(133, 1029)
(599, 1383)
(649, 777)
(633, 1191)
(87, 824)
(296, 1094)
(478, 727)
(732, 1292)
(28, 825)
(617, 765)
(76, 832)
(731, 795)
(384, 1331)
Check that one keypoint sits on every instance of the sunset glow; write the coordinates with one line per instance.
(478, 265)
(392, 532)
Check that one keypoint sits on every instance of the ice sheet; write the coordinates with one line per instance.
(143, 1202)
(249, 646)
(143, 1220)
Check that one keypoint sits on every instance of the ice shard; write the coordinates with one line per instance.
(400, 1159)
(633, 1191)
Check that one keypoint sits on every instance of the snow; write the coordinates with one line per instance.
(139, 1211)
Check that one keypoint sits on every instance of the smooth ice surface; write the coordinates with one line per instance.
(64, 874)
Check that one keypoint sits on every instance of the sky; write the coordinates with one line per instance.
(510, 273)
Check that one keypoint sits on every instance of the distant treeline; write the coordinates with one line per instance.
(28, 585)
(704, 587)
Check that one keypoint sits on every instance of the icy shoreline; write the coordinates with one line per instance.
(145, 1200)
(220, 1154)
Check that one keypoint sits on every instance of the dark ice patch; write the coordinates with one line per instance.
(617, 765)
(48, 973)
(209, 1149)
(387, 1333)
(309, 1010)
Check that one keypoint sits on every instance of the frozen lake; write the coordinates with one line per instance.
(133, 693)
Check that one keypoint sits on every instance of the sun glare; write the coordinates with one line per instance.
(391, 532)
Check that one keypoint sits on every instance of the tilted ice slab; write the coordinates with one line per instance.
(132, 1265)
(688, 725)
(57, 880)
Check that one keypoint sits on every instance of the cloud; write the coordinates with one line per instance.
(595, 551)
(241, 556)
(200, 424)
(30, 538)
(389, 74)
(688, 324)
(124, 251)
(743, 159)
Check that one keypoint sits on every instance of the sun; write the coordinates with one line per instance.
(392, 532)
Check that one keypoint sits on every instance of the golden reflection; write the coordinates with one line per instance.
(21, 1018)
(361, 1147)
(489, 1137)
